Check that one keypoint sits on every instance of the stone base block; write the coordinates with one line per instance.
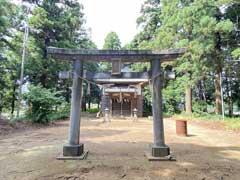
(164, 158)
(160, 151)
(82, 157)
(73, 150)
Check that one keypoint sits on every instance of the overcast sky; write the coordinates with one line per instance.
(104, 16)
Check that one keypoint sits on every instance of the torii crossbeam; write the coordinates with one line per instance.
(74, 149)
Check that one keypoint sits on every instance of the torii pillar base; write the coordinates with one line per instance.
(73, 152)
(159, 153)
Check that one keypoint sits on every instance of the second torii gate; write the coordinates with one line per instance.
(75, 149)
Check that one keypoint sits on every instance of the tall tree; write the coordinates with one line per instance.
(197, 24)
(111, 42)
(58, 23)
(232, 51)
(52, 23)
(8, 20)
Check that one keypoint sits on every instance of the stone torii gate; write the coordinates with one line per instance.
(75, 149)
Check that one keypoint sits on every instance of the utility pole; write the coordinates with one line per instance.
(25, 39)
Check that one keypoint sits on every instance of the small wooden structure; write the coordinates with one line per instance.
(121, 93)
(122, 100)
(74, 149)
(124, 94)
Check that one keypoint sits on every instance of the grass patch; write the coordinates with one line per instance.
(232, 123)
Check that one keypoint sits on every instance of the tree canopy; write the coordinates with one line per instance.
(112, 42)
(209, 29)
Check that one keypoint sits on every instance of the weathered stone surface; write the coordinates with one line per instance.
(73, 150)
(150, 157)
(114, 55)
(160, 151)
(81, 157)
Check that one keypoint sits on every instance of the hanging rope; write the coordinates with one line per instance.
(84, 79)
(154, 77)
(150, 87)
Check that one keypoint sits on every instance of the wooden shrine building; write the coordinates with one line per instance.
(121, 93)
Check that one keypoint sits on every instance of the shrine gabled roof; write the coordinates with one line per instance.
(123, 78)
(114, 55)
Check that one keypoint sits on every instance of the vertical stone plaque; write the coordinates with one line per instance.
(116, 67)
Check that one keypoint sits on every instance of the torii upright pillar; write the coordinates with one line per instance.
(74, 149)
(159, 150)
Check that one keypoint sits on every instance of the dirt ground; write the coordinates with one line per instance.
(116, 151)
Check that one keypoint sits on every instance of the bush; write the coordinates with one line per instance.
(199, 107)
(42, 103)
(62, 112)
(93, 110)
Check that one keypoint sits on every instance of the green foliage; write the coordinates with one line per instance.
(206, 30)
(236, 53)
(58, 23)
(172, 96)
(7, 23)
(62, 112)
(199, 107)
(42, 103)
(40, 13)
(93, 110)
(112, 42)
(51, 23)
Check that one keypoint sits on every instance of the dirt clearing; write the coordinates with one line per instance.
(117, 152)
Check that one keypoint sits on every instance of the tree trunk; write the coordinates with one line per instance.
(84, 107)
(218, 69)
(229, 93)
(0, 105)
(202, 93)
(188, 99)
(43, 80)
(230, 106)
(218, 97)
(13, 100)
(89, 104)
